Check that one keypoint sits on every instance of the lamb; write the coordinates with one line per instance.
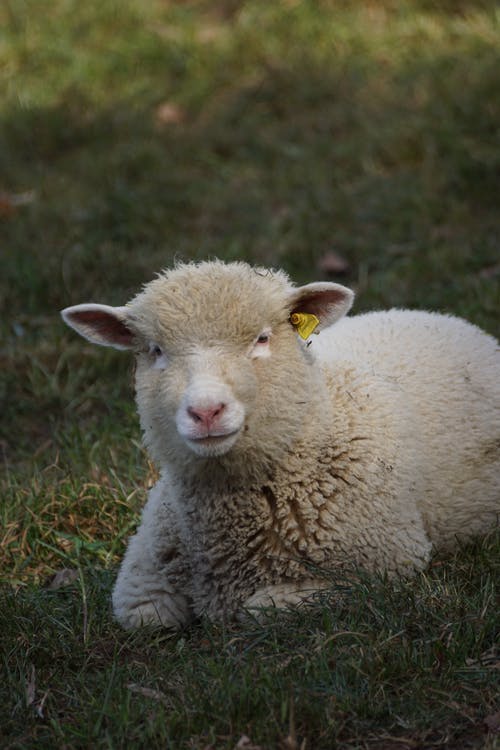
(370, 445)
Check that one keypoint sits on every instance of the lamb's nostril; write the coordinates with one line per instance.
(195, 416)
(206, 415)
(218, 409)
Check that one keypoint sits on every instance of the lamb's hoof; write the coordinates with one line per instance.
(158, 613)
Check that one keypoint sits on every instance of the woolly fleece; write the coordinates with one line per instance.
(373, 446)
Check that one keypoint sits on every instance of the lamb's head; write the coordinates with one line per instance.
(220, 367)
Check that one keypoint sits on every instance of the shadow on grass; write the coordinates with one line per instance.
(371, 159)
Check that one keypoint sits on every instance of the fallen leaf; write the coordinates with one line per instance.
(332, 262)
(63, 577)
(169, 113)
(245, 743)
(10, 202)
(155, 695)
(291, 743)
(489, 272)
(210, 33)
(6, 207)
(493, 723)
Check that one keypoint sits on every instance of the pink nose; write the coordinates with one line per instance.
(207, 417)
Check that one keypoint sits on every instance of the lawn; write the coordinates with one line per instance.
(136, 133)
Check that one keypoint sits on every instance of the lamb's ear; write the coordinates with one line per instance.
(100, 324)
(326, 300)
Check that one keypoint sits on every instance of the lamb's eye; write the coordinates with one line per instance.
(158, 358)
(261, 347)
(155, 350)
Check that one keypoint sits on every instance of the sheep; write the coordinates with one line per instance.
(280, 454)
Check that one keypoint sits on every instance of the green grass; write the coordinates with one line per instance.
(367, 664)
(367, 128)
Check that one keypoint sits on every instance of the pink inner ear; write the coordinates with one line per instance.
(111, 329)
(318, 303)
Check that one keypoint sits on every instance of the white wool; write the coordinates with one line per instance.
(374, 444)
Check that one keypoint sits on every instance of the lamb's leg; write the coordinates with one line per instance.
(282, 595)
(150, 589)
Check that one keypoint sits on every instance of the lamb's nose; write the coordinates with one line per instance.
(208, 415)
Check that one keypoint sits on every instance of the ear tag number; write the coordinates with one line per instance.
(305, 323)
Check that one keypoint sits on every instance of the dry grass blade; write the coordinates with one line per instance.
(31, 687)
(155, 695)
(30, 694)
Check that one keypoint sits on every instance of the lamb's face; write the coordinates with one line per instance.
(213, 359)
(205, 398)
(220, 367)
(208, 392)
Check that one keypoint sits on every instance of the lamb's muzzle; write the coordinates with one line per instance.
(209, 418)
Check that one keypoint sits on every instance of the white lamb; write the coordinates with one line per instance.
(371, 445)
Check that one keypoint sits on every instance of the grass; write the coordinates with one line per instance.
(373, 665)
(137, 133)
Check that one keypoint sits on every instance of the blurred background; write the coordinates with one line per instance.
(356, 140)
(352, 140)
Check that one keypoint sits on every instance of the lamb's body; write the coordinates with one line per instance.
(441, 376)
(392, 451)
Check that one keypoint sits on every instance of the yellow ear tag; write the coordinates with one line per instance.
(305, 323)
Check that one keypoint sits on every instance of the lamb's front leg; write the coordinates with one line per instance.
(151, 584)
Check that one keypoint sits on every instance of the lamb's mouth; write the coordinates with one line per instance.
(213, 445)
(213, 439)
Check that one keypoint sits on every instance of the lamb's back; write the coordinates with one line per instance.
(441, 378)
